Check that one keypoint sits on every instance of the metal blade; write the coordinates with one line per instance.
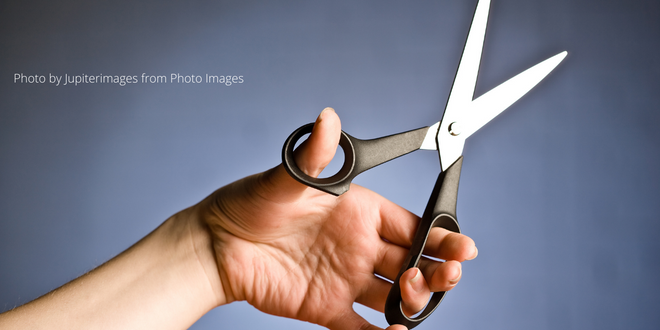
(429, 140)
(450, 147)
(462, 91)
(488, 106)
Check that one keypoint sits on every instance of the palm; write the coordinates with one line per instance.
(310, 261)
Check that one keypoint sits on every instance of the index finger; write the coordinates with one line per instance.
(398, 226)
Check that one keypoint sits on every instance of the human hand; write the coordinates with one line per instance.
(293, 251)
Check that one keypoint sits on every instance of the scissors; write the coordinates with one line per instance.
(463, 116)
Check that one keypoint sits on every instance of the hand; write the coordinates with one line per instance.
(287, 249)
(293, 251)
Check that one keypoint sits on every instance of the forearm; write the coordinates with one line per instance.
(167, 280)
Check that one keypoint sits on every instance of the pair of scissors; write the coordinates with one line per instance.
(463, 116)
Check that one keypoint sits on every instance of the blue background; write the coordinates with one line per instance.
(560, 192)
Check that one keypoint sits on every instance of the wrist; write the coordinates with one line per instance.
(193, 238)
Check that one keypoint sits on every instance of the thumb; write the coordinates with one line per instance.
(313, 155)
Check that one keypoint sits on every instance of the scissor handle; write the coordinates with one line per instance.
(440, 212)
(359, 156)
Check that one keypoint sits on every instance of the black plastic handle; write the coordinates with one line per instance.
(440, 212)
(359, 156)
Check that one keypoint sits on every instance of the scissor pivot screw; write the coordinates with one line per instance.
(455, 129)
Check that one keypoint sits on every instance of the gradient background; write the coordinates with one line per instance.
(560, 192)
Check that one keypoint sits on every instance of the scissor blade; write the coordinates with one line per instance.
(429, 140)
(450, 148)
(488, 106)
(462, 91)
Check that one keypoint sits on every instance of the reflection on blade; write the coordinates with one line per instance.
(491, 104)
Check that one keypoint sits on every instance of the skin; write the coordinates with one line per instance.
(287, 249)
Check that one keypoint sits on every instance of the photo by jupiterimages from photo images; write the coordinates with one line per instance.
(123, 80)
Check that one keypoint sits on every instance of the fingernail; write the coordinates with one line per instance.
(415, 282)
(475, 254)
(458, 278)
(322, 112)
